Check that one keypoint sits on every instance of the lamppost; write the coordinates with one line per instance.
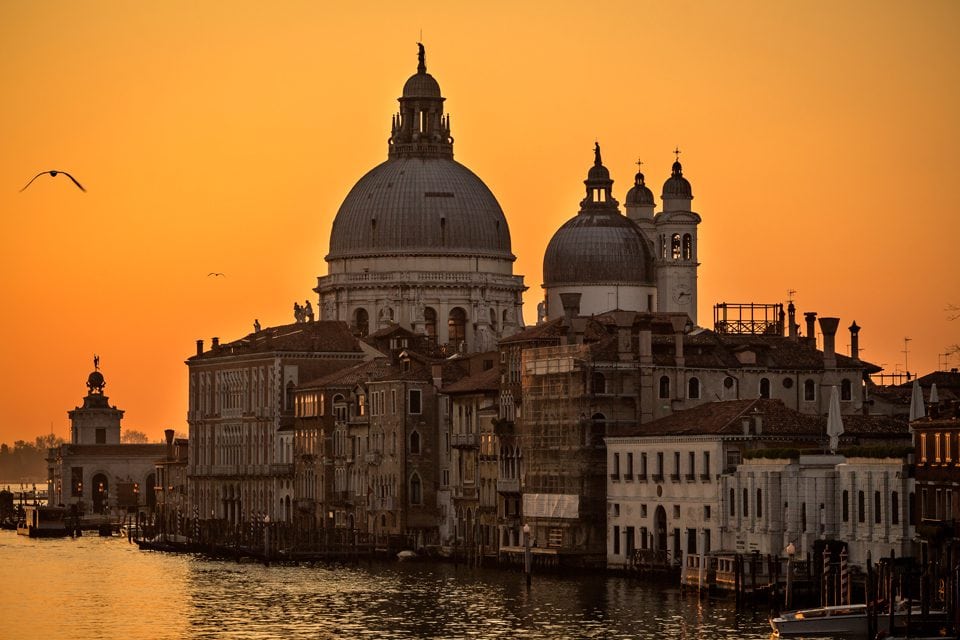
(526, 552)
(788, 597)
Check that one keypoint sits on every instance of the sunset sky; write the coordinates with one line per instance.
(822, 140)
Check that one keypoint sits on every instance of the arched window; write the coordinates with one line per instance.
(846, 390)
(764, 387)
(361, 321)
(289, 398)
(415, 442)
(493, 319)
(457, 326)
(416, 489)
(599, 383)
(675, 246)
(664, 386)
(693, 389)
(687, 246)
(809, 390)
(430, 322)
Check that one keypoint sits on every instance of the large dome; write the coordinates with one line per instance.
(596, 249)
(417, 206)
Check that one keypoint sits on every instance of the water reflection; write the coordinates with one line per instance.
(93, 588)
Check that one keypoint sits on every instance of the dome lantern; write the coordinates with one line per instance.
(421, 129)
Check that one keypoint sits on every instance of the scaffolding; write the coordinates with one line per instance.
(736, 318)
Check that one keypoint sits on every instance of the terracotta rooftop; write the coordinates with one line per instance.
(726, 418)
(488, 380)
(324, 336)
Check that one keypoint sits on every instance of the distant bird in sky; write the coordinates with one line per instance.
(216, 273)
(54, 174)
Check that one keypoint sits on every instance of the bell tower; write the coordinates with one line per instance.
(676, 233)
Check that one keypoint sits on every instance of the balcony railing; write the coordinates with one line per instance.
(281, 469)
(674, 477)
(691, 477)
(658, 477)
(385, 503)
(465, 440)
(705, 477)
(508, 485)
(464, 493)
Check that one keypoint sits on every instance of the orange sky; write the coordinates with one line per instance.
(820, 138)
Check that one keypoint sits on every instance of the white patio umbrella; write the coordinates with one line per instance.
(834, 420)
(917, 410)
(934, 398)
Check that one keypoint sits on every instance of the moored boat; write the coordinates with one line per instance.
(40, 521)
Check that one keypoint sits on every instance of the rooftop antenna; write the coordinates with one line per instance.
(943, 360)
(906, 355)
(790, 294)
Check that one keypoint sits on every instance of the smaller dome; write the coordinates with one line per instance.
(598, 172)
(421, 85)
(95, 382)
(676, 185)
(639, 194)
(599, 248)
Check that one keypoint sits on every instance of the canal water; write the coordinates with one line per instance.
(95, 587)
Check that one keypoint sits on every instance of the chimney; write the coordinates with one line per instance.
(646, 342)
(436, 370)
(746, 426)
(571, 304)
(199, 347)
(855, 341)
(828, 326)
(571, 309)
(792, 319)
(624, 321)
(168, 434)
(758, 423)
(215, 343)
(811, 318)
(678, 323)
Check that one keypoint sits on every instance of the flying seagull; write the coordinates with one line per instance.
(215, 273)
(54, 174)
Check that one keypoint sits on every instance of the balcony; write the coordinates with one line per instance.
(281, 469)
(674, 477)
(465, 440)
(508, 485)
(373, 457)
(464, 493)
(385, 503)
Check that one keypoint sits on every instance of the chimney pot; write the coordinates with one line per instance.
(199, 347)
(855, 341)
(215, 342)
(811, 318)
(828, 326)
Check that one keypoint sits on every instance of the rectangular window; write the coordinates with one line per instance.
(706, 512)
(414, 402)
(643, 537)
(643, 465)
(948, 505)
(938, 506)
(746, 504)
(615, 473)
(693, 465)
(923, 448)
(393, 401)
(894, 508)
(733, 503)
(936, 448)
(845, 509)
(861, 507)
(947, 457)
(692, 541)
(101, 436)
(616, 540)
(923, 505)
(759, 503)
(630, 541)
(643, 511)
(616, 509)
(676, 512)
(629, 471)
(876, 507)
(706, 465)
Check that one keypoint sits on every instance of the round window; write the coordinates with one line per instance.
(787, 383)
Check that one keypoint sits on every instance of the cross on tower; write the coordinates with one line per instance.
(639, 163)
(677, 152)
